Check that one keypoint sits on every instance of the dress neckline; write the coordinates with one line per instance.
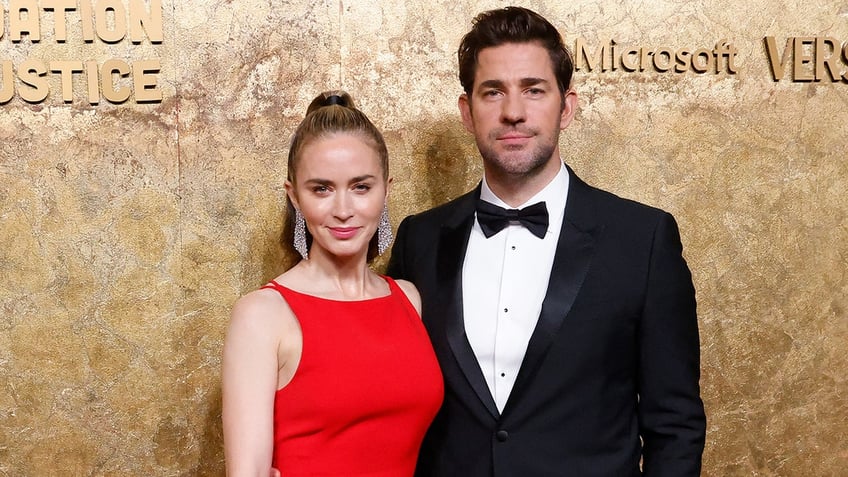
(388, 281)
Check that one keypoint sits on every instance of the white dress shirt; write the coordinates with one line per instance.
(504, 280)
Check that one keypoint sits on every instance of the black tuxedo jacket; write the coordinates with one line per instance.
(612, 368)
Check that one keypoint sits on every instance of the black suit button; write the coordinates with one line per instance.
(502, 436)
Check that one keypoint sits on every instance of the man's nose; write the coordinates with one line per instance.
(512, 110)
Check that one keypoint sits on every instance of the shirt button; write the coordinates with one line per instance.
(513, 247)
(502, 436)
(506, 310)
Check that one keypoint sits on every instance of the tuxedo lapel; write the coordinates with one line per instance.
(574, 252)
(453, 242)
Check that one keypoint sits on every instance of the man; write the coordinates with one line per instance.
(566, 331)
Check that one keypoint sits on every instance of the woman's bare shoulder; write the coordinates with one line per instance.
(265, 308)
(411, 293)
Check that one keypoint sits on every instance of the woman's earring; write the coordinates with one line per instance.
(300, 235)
(384, 231)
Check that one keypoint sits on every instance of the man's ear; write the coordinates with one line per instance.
(569, 108)
(464, 104)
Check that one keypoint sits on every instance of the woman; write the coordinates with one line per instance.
(328, 370)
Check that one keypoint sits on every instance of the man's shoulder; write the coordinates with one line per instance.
(603, 203)
(612, 200)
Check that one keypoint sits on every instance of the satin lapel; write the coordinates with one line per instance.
(453, 242)
(574, 252)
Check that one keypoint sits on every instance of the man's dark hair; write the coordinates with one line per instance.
(513, 25)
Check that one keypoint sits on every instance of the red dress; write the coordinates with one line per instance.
(366, 388)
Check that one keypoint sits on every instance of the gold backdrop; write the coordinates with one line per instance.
(128, 229)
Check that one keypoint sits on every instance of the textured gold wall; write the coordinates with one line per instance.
(126, 231)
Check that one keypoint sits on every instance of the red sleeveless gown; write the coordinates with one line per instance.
(366, 388)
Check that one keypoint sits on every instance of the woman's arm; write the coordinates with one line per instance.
(250, 369)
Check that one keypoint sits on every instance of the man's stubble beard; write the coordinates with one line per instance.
(528, 163)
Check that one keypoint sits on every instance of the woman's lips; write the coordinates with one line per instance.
(343, 233)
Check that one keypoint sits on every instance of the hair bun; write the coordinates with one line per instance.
(334, 99)
(331, 98)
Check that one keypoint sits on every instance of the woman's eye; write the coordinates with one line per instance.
(362, 187)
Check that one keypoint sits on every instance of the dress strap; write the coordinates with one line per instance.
(396, 291)
(272, 285)
(393, 286)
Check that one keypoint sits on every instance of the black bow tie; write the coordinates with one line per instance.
(493, 219)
